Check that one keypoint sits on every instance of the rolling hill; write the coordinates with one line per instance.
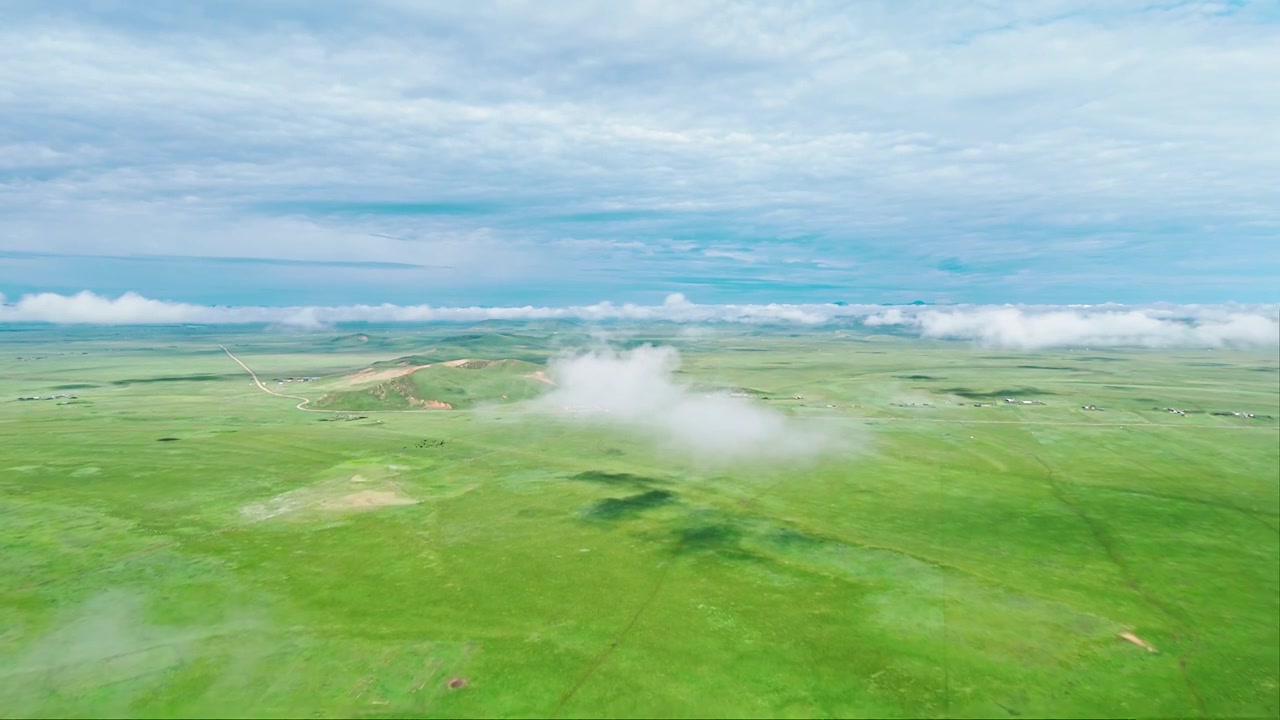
(455, 384)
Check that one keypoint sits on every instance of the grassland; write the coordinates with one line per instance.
(974, 558)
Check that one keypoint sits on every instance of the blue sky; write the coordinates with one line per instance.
(272, 153)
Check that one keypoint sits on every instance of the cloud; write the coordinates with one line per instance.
(1026, 327)
(1028, 140)
(635, 390)
(1013, 327)
(132, 308)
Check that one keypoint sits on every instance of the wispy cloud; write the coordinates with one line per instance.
(1026, 327)
(1016, 142)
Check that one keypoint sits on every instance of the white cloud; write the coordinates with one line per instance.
(1022, 119)
(1013, 327)
(1026, 327)
(636, 391)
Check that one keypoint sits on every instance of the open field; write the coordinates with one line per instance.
(178, 542)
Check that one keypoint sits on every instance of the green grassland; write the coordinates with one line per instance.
(460, 386)
(176, 542)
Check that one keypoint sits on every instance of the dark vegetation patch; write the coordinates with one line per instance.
(1263, 369)
(1097, 358)
(1209, 364)
(176, 378)
(1004, 392)
(618, 508)
(428, 443)
(788, 539)
(707, 532)
(74, 386)
(167, 439)
(915, 377)
(612, 478)
(1048, 367)
(612, 452)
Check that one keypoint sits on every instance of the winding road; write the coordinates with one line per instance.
(301, 406)
(303, 402)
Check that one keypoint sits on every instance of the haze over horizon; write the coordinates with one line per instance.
(273, 154)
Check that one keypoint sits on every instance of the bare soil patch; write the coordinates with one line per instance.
(368, 499)
(1137, 641)
(542, 378)
(430, 404)
(369, 375)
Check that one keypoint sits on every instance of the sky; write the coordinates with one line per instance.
(558, 154)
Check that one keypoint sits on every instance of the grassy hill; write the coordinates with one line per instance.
(437, 385)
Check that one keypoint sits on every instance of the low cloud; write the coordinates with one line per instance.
(1028, 329)
(636, 390)
(134, 309)
(1021, 327)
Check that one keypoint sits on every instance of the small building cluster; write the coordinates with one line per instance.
(281, 381)
(1091, 407)
(1012, 401)
(49, 397)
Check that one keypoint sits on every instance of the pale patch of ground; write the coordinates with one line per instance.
(85, 471)
(455, 363)
(542, 377)
(368, 499)
(282, 504)
(1136, 641)
(430, 404)
(369, 375)
(329, 496)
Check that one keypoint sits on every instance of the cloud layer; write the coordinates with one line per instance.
(1011, 327)
(1047, 150)
(1024, 327)
(636, 391)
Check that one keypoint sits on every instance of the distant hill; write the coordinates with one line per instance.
(352, 339)
(447, 385)
(361, 340)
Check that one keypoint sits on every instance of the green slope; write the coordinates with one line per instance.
(461, 386)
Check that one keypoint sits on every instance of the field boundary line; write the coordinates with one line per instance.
(603, 656)
(1130, 578)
